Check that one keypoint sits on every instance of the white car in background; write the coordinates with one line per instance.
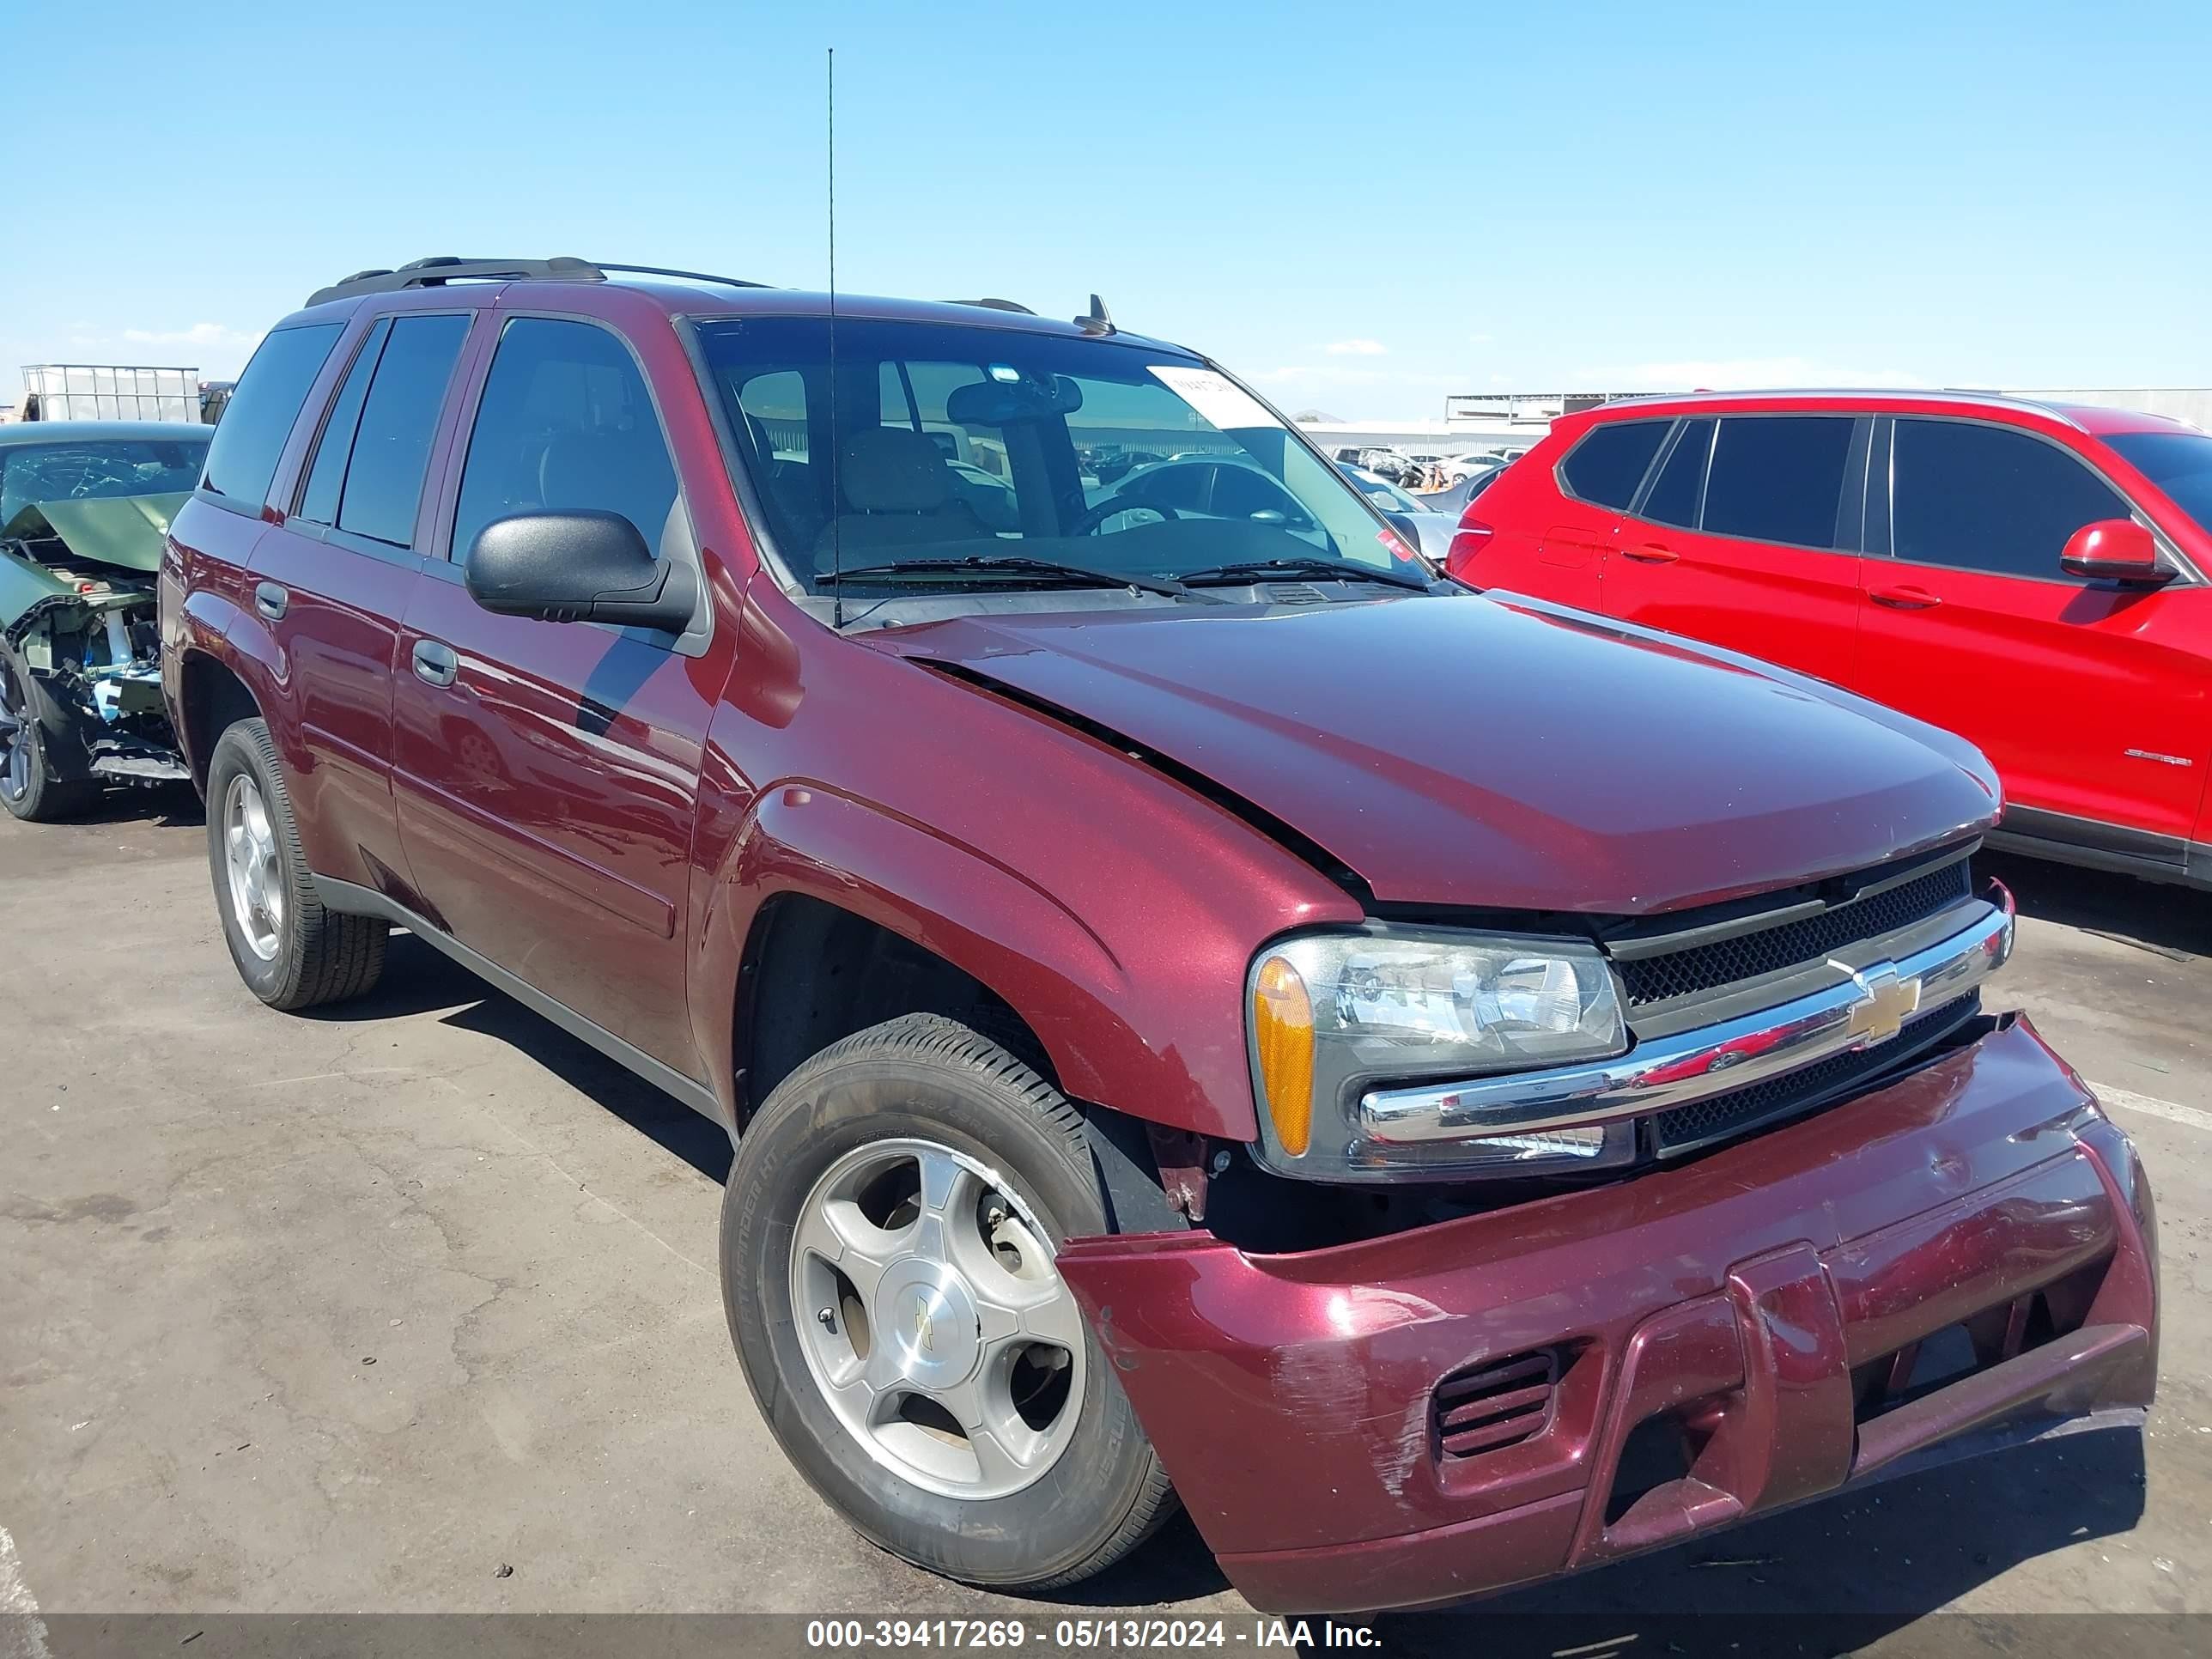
(1460, 467)
(1432, 528)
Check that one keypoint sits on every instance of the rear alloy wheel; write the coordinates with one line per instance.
(889, 1234)
(290, 951)
(29, 789)
(249, 861)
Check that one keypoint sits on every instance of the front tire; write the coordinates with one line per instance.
(291, 953)
(29, 789)
(888, 1230)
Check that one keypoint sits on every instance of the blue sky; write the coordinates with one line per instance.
(1358, 216)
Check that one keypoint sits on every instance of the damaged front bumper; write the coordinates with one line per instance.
(1964, 1258)
(92, 656)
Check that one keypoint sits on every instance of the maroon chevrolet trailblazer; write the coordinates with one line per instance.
(1164, 1061)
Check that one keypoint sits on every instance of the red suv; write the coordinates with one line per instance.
(2029, 575)
(1449, 1154)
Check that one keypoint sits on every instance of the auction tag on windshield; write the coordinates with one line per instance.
(1216, 397)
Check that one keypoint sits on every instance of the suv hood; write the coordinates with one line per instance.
(1501, 754)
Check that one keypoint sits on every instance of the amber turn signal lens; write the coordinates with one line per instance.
(1282, 1026)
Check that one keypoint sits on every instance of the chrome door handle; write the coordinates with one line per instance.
(1651, 553)
(270, 600)
(435, 663)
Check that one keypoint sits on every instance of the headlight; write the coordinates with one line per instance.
(1332, 1014)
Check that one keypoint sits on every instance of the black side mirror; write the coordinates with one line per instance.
(1407, 530)
(578, 566)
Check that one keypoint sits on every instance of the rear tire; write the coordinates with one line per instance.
(1068, 1486)
(29, 789)
(291, 951)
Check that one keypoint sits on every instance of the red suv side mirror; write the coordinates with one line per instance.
(2115, 549)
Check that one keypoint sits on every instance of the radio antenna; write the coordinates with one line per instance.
(836, 438)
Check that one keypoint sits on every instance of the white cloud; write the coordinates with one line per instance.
(1733, 373)
(199, 334)
(1480, 339)
(1356, 349)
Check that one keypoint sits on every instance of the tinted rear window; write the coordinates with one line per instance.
(1778, 477)
(392, 449)
(251, 440)
(326, 473)
(1987, 498)
(1674, 493)
(1607, 466)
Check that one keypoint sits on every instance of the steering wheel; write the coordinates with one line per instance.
(1089, 522)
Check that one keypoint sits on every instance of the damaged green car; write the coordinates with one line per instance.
(84, 506)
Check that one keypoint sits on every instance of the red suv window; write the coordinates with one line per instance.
(1989, 498)
(1607, 465)
(1678, 493)
(1778, 478)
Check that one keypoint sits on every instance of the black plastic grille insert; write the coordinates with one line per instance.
(1790, 944)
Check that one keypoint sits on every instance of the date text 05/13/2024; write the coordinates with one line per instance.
(1087, 1635)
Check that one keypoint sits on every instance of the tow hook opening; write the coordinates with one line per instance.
(1660, 1452)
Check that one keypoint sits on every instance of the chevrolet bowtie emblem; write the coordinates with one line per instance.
(1886, 1001)
(921, 1324)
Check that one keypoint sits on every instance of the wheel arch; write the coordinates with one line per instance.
(211, 697)
(956, 922)
(815, 972)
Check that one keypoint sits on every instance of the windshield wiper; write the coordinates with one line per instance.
(1070, 575)
(1325, 569)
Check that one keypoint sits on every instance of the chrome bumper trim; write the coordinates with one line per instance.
(1865, 1007)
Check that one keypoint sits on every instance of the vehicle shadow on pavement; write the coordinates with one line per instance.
(1831, 1577)
(170, 806)
(419, 980)
(2171, 921)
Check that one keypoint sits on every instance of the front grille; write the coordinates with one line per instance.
(1791, 943)
(1493, 1406)
(1684, 1128)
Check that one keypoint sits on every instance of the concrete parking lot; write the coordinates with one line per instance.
(411, 1306)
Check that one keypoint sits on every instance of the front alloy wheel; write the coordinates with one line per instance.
(938, 1328)
(18, 735)
(888, 1233)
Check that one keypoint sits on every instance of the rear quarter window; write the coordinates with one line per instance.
(1609, 463)
(242, 459)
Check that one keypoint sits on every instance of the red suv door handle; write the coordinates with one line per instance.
(1905, 599)
(1651, 553)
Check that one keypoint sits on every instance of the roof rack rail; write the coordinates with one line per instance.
(689, 275)
(995, 305)
(448, 267)
(441, 269)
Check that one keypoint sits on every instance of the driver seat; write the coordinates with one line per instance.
(897, 493)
